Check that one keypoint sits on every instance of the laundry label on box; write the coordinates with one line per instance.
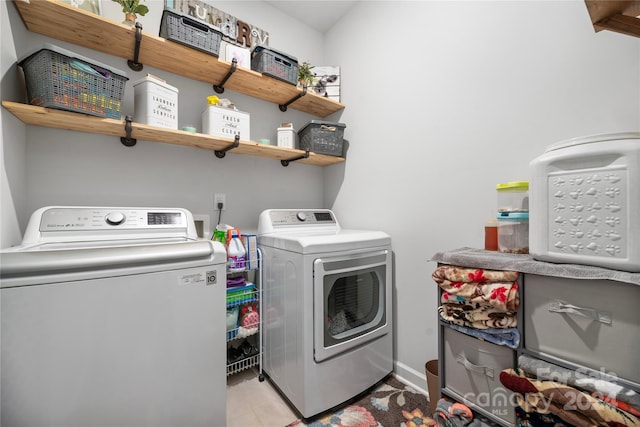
(226, 123)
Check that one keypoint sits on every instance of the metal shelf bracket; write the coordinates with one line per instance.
(285, 163)
(283, 107)
(221, 153)
(219, 88)
(133, 63)
(127, 141)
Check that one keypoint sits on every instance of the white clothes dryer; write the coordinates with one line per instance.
(327, 307)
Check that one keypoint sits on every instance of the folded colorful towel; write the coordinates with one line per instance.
(481, 318)
(501, 336)
(463, 274)
(571, 405)
(597, 384)
(499, 295)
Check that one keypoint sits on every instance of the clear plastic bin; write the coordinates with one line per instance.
(513, 232)
(513, 196)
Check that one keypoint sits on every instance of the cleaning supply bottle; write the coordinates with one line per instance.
(236, 253)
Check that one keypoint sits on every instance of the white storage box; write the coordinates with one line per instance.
(226, 123)
(286, 137)
(584, 201)
(230, 51)
(155, 103)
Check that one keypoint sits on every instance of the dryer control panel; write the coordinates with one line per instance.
(280, 218)
(301, 216)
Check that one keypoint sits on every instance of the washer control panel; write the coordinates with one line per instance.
(97, 219)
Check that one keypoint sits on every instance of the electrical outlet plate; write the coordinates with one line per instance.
(219, 198)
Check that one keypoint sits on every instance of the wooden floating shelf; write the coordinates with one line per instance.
(620, 16)
(64, 22)
(39, 116)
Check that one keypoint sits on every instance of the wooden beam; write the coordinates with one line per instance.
(620, 24)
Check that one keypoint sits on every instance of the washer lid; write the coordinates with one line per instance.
(323, 242)
(591, 139)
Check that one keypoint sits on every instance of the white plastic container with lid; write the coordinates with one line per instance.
(513, 232)
(585, 198)
(513, 196)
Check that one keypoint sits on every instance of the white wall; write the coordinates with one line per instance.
(13, 177)
(44, 166)
(444, 101)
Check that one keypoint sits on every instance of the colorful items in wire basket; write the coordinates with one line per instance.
(185, 29)
(58, 78)
(322, 137)
(241, 294)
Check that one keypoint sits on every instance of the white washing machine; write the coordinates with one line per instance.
(113, 317)
(327, 307)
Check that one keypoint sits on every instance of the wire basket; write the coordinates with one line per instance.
(70, 82)
(243, 364)
(275, 64)
(322, 137)
(241, 295)
(184, 29)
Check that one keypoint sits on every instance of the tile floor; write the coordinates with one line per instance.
(254, 403)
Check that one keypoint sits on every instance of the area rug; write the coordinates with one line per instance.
(390, 404)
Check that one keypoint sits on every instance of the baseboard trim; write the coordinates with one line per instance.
(411, 377)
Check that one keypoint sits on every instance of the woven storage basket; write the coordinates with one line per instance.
(276, 64)
(184, 29)
(56, 78)
(322, 137)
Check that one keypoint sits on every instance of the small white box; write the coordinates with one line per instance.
(229, 51)
(155, 103)
(226, 123)
(286, 137)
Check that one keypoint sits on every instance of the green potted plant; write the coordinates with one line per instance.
(131, 9)
(305, 75)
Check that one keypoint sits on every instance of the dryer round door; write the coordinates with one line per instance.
(352, 301)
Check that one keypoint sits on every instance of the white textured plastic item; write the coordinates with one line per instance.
(585, 202)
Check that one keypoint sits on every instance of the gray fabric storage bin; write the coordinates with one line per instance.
(592, 323)
(472, 372)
